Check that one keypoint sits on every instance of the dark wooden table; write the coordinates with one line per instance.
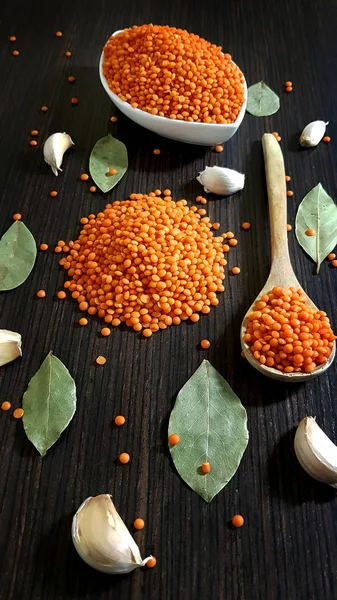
(287, 548)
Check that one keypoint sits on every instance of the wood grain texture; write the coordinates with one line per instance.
(287, 549)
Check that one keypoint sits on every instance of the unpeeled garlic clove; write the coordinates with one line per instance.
(101, 538)
(316, 452)
(10, 346)
(313, 133)
(54, 148)
(221, 181)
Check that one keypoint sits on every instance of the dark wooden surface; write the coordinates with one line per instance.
(287, 548)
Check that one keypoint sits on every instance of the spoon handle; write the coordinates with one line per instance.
(281, 269)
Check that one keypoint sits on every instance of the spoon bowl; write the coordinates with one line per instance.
(281, 272)
(203, 134)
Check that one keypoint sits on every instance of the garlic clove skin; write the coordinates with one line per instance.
(101, 538)
(316, 453)
(313, 133)
(54, 148)
(221, 181)
(10, 346)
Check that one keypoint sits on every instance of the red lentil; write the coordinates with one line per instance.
(206, 467)
(41, 294)
(113, 119)
(205, 344)
(84, 177)
(83, 321)
(101, 360)
(236, 270)
(61, 295)
(33, 142)
(237, 521)
(59, 34)
(18, 413)
(290, 193)
(34, 132)
(334, 263)
(43, 247)
(289, 227)
(53, 194)
(12, 38)
(124, 458)
(112, 171)
(16, 53)
(44, 108)
(119, 420)
(287, 178)
(246, 225)
(71, 79)
(92, 189)
(5, 405)
(326, 139)
(310, 232)
(67, 54)
(17, 217)
(138, 524)
(156, 151)
(218, 148)
(331, 256)
(174, 439)
(151, 563)
(286, 333)
(156, 58)
(171, 273)
(74, 101)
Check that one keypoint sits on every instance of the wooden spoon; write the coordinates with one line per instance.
(281, 272)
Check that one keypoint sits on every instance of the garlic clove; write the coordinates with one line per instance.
(313, 133)
(316, 453)
(221, 181)
(54, 148)
(101, 538)
(10, 346)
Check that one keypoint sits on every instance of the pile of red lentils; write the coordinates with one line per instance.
(149, 262)
(286, 333)
(172, 73)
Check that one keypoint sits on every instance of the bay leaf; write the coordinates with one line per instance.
(108, 153)
(261, 100)
(17, 256)
(212, 425)
(49, 403)
(319, 212)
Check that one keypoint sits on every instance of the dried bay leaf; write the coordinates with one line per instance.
(108, 153)
(49, 403)
(319, 212)
(17, 256)
(212, 425)
(261, 100)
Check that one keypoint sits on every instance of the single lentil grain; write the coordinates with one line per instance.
(151, 563)
(61, 295)
(83, 321)
(310, 232)
(246, 225)
(113, 119)
(41, 294)
(331, 256)
(326, 139)
(156, 151)
(138, 524)
(205, 344)
(119, 420)
(206, 467)
(5, 405)
(18, 413)
(124, 458)
(53, 193)
(33, 143)
(17, 217)
(174, 439)
(92, 189)
(219, 148)
(236, 270)
(237, 521)
(290, 193)
(101, 360)
(84, 177)
(34, 132)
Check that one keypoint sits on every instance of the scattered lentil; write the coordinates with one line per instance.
(113, 119)
(5, 405)
(287, 178)
(67, 54)
(59, 34)
(331, 256)
(326, 139)
(119, 420)
(219, 148)
(206, 467)
(41, 294)
(174, 439)
(33, 142)
(151, 563)
(288, 84)
(205, 344)
(12, 38)
(124, 458)
(44, 108)
(16, 53)
(233, 242)
(84, 177)
(74, 101)
(34, 132)
(156, 151)
(71, 79)
(17, 217)
(334, 263)
(61, 295)
(92, 189)
(290, 193)
(289, 89)
(18, 413)
(53, 194)
(236, 270)
(105, 331)
(310, 232)
(43, 247)
(237, 521)
(138, 524)
(101, 360)
(289, 227)
(83, 321)
(246, 225)
(112, 171)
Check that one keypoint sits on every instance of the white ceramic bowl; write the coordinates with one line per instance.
(205, 134)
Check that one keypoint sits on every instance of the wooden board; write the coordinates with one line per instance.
(287, 548)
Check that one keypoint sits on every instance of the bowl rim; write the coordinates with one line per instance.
(116, 99)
